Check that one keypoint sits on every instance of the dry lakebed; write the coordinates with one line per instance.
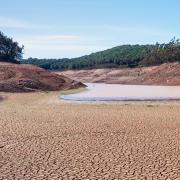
(43, 137)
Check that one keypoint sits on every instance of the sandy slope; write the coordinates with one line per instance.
(44, 138)
(165, 74)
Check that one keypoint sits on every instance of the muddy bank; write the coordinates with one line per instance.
(29, 78)
(165, 74)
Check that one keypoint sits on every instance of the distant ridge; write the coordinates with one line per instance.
(121, 56)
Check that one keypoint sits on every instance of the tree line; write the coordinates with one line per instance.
(121, 56)
(10, 51)
(162, 53)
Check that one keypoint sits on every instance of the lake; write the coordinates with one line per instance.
(118, 92)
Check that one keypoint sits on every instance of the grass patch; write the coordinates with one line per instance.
(72, 91)
(151, 105)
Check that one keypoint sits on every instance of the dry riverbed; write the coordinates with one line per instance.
(42, 137)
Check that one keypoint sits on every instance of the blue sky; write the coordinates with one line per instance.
(71, 28)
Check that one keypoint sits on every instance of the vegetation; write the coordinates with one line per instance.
(121, 56)
(10, 51)
(162, 53)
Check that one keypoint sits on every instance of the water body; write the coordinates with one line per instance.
(118, 92)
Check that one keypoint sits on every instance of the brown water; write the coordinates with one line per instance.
(118, 92)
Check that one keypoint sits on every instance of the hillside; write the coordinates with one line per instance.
(121, 56)
(125, 55)
(28, 78)
(165, 74)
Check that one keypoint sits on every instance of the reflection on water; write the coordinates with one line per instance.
(118, 92)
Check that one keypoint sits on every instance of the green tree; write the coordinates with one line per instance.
(10, 51)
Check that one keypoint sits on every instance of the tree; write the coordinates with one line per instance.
(10, 51)
(121, 56)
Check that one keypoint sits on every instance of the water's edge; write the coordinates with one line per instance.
(116, 92)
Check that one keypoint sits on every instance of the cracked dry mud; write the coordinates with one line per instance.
(44, 138)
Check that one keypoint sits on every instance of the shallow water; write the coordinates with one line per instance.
(118, 92)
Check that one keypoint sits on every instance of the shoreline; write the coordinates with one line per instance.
(100, 92)
(153, 75)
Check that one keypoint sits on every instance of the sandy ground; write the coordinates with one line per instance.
(44, 138)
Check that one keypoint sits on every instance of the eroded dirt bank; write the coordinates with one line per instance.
(44, 138)
(28, 78)
(165, 74)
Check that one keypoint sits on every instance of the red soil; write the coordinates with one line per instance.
(28, 78)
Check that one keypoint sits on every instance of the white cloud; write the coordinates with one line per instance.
(69, 45)
(7, 22)
(139, 30)
(57, 41)
(61, 51)
(59, 45)
(48, 39)
(49, 43)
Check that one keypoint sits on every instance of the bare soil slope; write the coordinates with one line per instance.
(165, 74)
(27, 78)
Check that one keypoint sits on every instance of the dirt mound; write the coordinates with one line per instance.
(165, 74)
(168, 74)
(28, 78)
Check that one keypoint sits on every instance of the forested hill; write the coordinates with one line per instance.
(121, 56)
